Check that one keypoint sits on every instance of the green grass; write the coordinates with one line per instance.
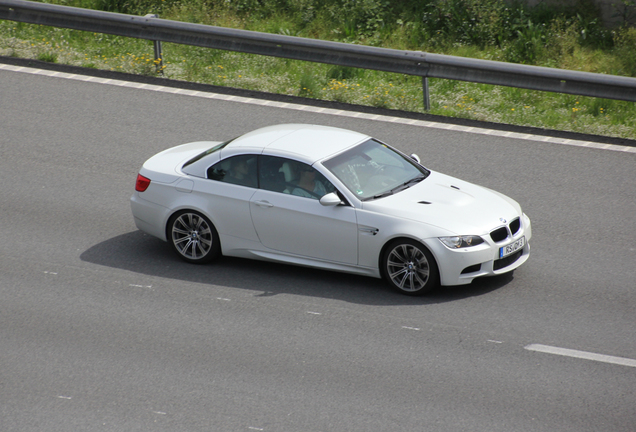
(557, 42)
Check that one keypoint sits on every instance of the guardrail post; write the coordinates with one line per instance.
(427, 100)
(158, 57)
(158, 50)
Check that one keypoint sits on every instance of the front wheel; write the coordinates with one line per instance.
(193, 237)
(409, 267)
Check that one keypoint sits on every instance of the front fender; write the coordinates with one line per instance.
(375, 230)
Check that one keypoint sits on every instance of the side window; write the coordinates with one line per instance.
(239, 170)
(271, 175)
(292, 177)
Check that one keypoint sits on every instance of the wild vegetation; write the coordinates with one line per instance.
(553, 36)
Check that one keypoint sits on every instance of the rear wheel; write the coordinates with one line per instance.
(409, 267)
(193, 237)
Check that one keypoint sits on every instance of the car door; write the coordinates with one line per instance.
(290, 219)
(226, 194)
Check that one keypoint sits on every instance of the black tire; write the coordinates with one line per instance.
(409, 268)
(193, 237)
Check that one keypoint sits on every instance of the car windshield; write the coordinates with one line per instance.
(373, 170)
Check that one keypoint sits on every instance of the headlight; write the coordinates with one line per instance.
(457, 242)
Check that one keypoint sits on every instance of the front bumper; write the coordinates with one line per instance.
(462, 266)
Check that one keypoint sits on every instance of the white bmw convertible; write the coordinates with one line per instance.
(328, 198)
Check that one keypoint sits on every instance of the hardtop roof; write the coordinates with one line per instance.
(309, 143)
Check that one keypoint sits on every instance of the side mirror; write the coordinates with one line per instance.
(416, 158)
(330, 199)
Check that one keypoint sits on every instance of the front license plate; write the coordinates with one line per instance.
(512, 247)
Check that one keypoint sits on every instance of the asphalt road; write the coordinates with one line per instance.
(102, 328)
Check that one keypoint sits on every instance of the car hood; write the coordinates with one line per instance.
(460, 207)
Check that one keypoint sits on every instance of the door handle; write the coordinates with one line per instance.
(368, 230)
(264, 204)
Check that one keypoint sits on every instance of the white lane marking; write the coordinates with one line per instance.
(140, 286)
(255, 428)
(51, 273)
(224, 299)
(581, 354)
(299, 107)
(314, 313)
(65, 397)
(159, 412)
(495, 341)
(411, 328)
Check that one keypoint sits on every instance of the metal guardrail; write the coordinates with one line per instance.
(416, 63)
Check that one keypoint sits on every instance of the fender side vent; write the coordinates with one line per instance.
(424, 202)
(454, 187)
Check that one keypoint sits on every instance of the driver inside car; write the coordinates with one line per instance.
(308, 185)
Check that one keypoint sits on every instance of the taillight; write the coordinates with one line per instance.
(142, 183)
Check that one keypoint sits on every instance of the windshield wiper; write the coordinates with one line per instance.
(383, 194)
(414, 180)
(405, 185)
